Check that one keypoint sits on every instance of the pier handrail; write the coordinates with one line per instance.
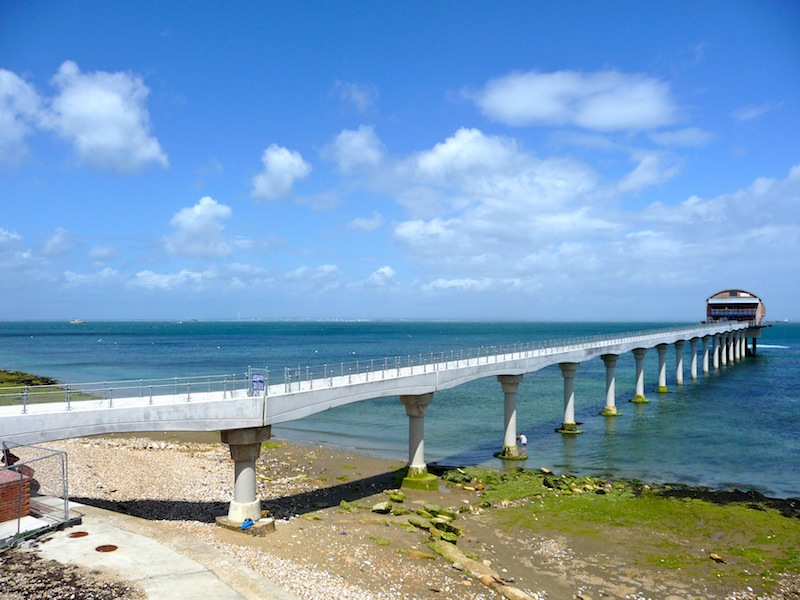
(263, 381)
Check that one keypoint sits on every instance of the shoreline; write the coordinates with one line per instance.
(329, 543)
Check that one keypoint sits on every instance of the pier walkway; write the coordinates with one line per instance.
(245, 407)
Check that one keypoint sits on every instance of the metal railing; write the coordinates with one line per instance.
(264, 381)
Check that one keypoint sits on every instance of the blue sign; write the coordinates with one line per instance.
(257, 383)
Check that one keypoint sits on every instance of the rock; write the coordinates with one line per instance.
(397, 496)
(399, 510)
(419, 555)
(420, 523)
(382, 507)
(716, 558)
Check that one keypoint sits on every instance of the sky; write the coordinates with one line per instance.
(537, 161)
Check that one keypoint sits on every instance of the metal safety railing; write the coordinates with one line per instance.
(266, 381)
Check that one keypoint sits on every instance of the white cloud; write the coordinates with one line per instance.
(59, 242)
(356, 150)
(169, 281)
(652, 169)
(20, 111)
(102, 277)
(282, 168)
(361, 95)
(687, 137)
(382, 276)
(101, 252)
(367, 224)
(755, 111)
(104, 116)
(198, 230)
(601, 101)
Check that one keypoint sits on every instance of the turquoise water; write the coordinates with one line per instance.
(739, 427)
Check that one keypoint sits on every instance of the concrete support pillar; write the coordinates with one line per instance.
(510, 384)
(723, 349)
(417, 476)
(731, 351)
(693, 362)
(742, 345)
(716, 351)
(737, 346)
(245, 446)
(638, 355)
(754, 346)
(706, 339)
(662, 368)
(679, 362)
(568, 425)
(610, 361)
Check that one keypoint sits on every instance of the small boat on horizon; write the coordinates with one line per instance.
(76, 321)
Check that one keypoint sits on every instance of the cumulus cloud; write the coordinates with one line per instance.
(168, 281)
(356, 150)
(58, 243)
(20, 113)
(601, 101)
(382, 276)
(198, 230)
(105, 118)
(102, 277)
(652, 169)
(361, 95)
(282, 168)
(367, 224)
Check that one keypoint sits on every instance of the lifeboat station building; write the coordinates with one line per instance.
(735, 305)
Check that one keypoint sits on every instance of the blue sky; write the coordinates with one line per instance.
(444, 160)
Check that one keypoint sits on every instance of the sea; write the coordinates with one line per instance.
(738, 427)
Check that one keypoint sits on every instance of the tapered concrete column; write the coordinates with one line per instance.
(737, 346)
(568, 371)
(418, 476)
(731, 351)
(679, 362)
(706, 339)
(638, 355)
(662, 368)
(754, 346)
(742, 346)
(510, 384)
(723, 349)
(245, 446)
(610, 361)
(693, 362)
(716, 351)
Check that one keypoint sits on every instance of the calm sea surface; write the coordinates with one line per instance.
(739, 427)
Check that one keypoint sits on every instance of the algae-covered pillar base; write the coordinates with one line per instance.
(245, 446)
(510, 385)
(417, 476)
(638, 355)
(568, 425)
(610, 409)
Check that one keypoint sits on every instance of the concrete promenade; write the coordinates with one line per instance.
(245, 411)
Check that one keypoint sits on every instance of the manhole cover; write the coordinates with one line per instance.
(106, 548)
(75, 534)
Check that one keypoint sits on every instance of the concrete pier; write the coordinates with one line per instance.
(706, 339)
(679, 362)
(610, 409)
(568, 425)
(417, 476)
(510, 385)
(245, 447)
(662, 368)
(638, 355)
(693, 360)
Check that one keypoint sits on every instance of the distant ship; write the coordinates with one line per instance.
(76, 321)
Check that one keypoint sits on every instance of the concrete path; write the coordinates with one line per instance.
(163, 564)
